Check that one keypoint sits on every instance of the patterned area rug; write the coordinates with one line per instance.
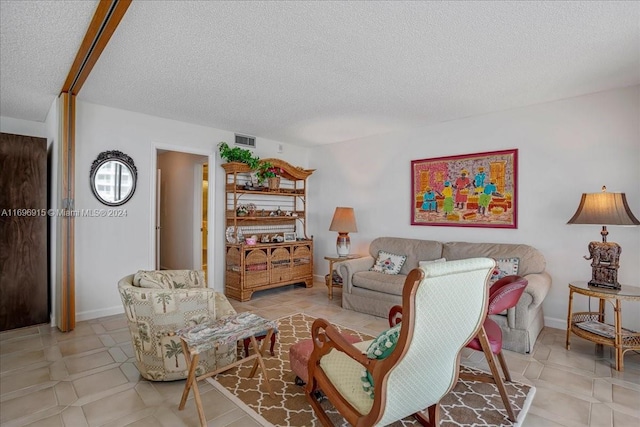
(470, 403)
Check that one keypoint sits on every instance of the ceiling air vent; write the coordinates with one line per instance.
(246, 141)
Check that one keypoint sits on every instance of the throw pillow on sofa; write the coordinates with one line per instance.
(388, 263)
(504, 267)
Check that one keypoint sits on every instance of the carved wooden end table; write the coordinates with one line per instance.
(229, 331)
(590, 324)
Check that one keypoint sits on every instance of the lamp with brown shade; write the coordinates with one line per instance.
(604, 209)
(344, 221)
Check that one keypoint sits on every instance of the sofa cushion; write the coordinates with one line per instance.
(388, 263)
(531, 260)
(415, 250)
(345, 374)
(152, 280)
(379, 282)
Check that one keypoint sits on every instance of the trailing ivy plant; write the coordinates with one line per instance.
(237, 154)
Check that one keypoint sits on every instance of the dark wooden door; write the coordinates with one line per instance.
(24, 291)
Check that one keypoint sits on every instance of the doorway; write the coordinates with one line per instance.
(181, 211)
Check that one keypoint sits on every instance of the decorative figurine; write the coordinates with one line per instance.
(605, 262)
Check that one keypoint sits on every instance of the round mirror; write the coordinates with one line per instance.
(113, 178)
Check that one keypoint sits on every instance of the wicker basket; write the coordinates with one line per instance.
(232, 167)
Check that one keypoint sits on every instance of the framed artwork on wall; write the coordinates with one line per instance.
(470, 190)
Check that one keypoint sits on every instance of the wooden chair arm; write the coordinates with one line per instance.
(325, 337)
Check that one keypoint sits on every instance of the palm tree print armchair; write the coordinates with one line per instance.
(156, 304)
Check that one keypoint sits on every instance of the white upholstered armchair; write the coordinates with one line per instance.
(443, 307)
(156, 304)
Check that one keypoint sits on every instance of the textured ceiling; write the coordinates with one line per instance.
(322, 72)
(38, 43)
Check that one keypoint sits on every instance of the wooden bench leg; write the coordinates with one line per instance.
(192, 382)
(260, 362)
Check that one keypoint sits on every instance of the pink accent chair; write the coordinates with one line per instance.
(503, 295)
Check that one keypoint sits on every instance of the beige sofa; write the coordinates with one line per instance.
(375, 293)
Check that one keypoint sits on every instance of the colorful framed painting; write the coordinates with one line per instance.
(471, 190)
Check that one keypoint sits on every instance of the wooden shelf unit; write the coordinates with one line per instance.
(268, 263)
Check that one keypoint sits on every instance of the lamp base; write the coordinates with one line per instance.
(605, 261)
(343, 244)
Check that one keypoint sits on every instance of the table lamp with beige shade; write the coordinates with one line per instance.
(344, 222)
(604, 209)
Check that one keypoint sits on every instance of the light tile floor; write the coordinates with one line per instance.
(88, 378)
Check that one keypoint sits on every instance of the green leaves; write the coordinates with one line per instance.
(237, 154)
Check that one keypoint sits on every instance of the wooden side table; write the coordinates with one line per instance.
(332, 260)
(590, 324)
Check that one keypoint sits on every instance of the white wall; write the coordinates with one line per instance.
(566, 148)
(108, 249)
(23, 127)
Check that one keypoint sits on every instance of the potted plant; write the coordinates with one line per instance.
(271, 174)
(237, 154)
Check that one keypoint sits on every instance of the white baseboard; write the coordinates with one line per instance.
(94, 314)
(553, 322)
